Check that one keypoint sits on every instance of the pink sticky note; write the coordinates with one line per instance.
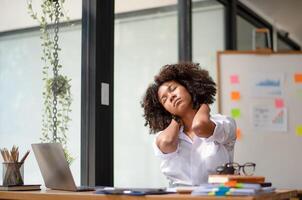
(234, 79)
(279, 103)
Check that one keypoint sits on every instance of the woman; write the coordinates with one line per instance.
(190, 142)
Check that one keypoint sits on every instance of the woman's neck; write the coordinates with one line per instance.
(187, 120)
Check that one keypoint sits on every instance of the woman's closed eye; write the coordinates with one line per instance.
(163, 100)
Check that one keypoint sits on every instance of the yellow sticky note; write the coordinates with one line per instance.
(238, 134)
(235, 95)
(299, 130)
(235, 112)
(298, 78)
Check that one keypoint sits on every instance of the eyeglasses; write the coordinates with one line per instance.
(234, 168)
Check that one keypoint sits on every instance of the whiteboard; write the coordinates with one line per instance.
(263, 92)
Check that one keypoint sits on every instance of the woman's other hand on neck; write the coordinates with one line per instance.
(202, 125)
(167, 141)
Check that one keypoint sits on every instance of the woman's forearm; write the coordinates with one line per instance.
(202, 125)
(167, 141)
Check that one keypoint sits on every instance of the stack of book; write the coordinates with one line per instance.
(234, 185)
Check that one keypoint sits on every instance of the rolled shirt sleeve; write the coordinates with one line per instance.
(224, 132)
(159, 153)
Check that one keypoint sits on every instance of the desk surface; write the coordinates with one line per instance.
(58, 195)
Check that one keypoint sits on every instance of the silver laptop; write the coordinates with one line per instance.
(54, 167)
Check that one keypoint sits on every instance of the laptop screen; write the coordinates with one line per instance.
(53, 166)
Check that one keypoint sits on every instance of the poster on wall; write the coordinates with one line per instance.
(269, 118)
(266, 85)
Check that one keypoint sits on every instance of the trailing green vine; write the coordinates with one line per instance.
(60, 85)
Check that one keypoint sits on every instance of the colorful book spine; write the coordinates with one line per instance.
(220, 190)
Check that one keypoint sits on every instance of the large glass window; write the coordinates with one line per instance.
(208, 36)
(244, 34)
(21, 94)
(145, 40)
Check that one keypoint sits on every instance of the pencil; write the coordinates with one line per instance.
(3, 155)
(24, 157)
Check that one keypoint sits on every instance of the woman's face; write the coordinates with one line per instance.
(174, 97)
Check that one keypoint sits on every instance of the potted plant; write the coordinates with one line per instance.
(56, 91)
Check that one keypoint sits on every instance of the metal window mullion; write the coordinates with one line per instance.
(97, 67)
(184, 30)
(231, 25)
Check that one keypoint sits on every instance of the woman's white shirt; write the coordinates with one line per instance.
(195, 159)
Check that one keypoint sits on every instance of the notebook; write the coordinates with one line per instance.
(223, 178)
(54, 167)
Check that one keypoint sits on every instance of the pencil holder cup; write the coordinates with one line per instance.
(12, 173)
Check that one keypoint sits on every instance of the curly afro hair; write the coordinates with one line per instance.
(197, 81)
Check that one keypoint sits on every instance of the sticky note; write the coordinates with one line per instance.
(234, 79)
(235, 112)
(298, 78)
(279, 103)
(238, 134)
(299, 130)
(235, 95)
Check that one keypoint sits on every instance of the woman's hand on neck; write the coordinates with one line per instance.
(202, 125)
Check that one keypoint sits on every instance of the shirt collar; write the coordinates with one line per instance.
(183, 136)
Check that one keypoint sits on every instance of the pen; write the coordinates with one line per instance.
(24, 157)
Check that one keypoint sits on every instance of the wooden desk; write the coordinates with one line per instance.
(59, 195)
